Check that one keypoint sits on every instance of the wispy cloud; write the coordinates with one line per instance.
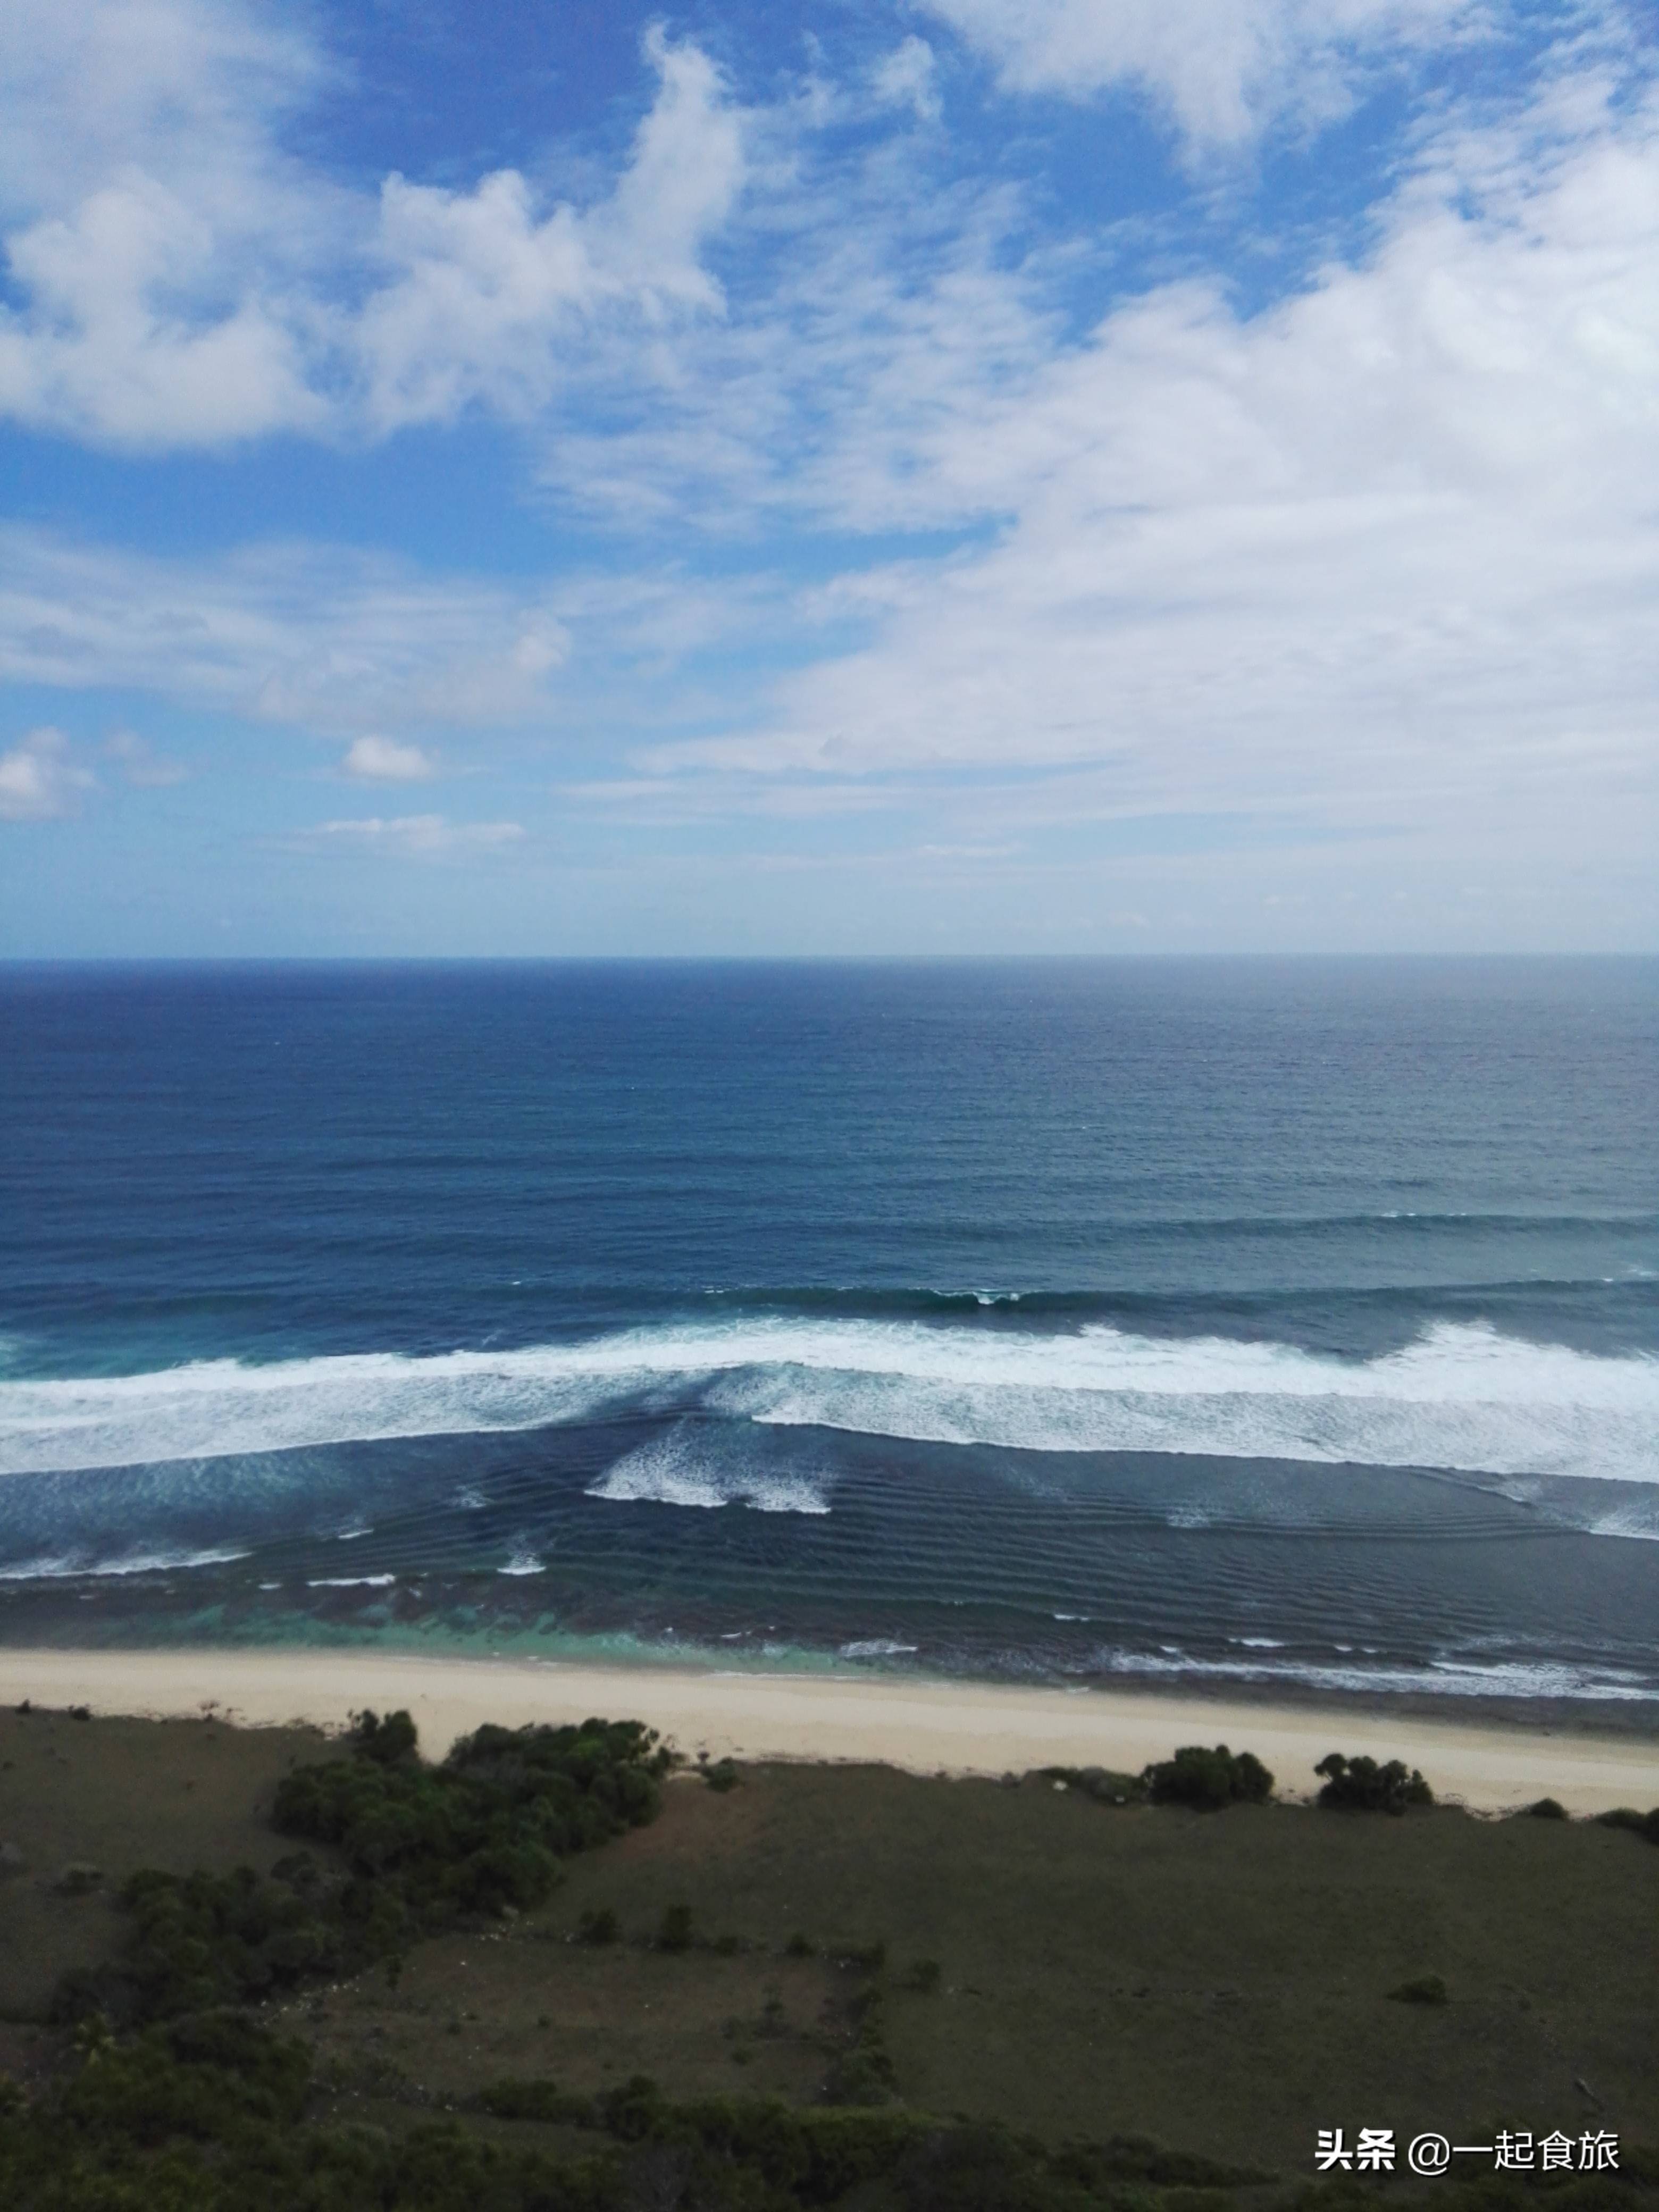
(888, 490)
(383, 760)
(1383, 550)
(1223, 69)
(321, 638)
(419, 837)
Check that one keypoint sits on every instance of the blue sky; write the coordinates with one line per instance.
(900, 475)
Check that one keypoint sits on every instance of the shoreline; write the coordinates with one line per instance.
(919, 1724)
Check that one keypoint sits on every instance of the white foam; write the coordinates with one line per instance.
(1442, 1678)
(352, 1582)
(1462, 1397)
(134, 1563)
(678, 1470)
(876, 1647)
(523, 1563)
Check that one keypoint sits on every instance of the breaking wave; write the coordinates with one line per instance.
(1462, 1397)
(671, 1470)
(67, 1569)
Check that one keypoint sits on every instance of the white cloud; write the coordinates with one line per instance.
(909, 77)
(188, 91)
(183, 282)
(491, 302)
(383, 760)
(320, 638)
(161, 241)
(1380, 562)
(1224, 69)
(421, 837)
(39, 779)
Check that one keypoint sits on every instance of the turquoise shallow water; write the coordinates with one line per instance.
(1289, 1323)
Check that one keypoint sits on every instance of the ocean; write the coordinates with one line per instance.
(1280, 1327)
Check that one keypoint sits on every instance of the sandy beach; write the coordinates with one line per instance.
(923, 1726)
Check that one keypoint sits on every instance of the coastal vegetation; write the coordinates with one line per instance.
(542, 1973)
(418, 1847)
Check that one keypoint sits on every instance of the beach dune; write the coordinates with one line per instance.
(918, 1724)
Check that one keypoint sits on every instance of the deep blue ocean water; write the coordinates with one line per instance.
(1251, 1322)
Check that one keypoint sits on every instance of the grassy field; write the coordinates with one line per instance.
(1219, 1982)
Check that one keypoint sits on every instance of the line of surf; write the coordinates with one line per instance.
(1461, 1396)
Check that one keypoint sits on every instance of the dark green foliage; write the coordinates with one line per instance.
(207, 2114)
(385, 1740)
(1427, 1990)
(724, 1774)
(1137, 2158)
(487, 1828)
(1360, 1785)
(1208, 1780)
(423, 1846)
(987, 2169)
(537, 2101)
(864, 2074)
(675, 1933)
(209, 1940)
(599, 1924)
(1645, 1825)
(799, 1946)
(1548, 1809)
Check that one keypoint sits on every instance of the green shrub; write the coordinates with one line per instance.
(1360, 1785)
(423, 1847)
(1208, 1779)
(675, 1932)
(724, 1774)
(799, 1946)
(1427, 1990)
(537, 2101)
(386, 1740)
(1548, 1809)
(1645, 1825)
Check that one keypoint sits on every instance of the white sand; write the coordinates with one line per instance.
(925, 1726)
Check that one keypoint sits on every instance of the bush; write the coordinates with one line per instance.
(723, 1774)
(1548, 1809)
(598, 1926)
(1645, 1825)
(537, 2101)
(423, 1846)
(675, 1933)
(1360, 1785)
(1208, 1779)
(1427, 1990)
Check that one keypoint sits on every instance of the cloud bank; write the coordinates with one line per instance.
(906, 515)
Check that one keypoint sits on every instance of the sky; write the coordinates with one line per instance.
(552, 477)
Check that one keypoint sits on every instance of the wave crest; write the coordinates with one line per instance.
(1462, 1397)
